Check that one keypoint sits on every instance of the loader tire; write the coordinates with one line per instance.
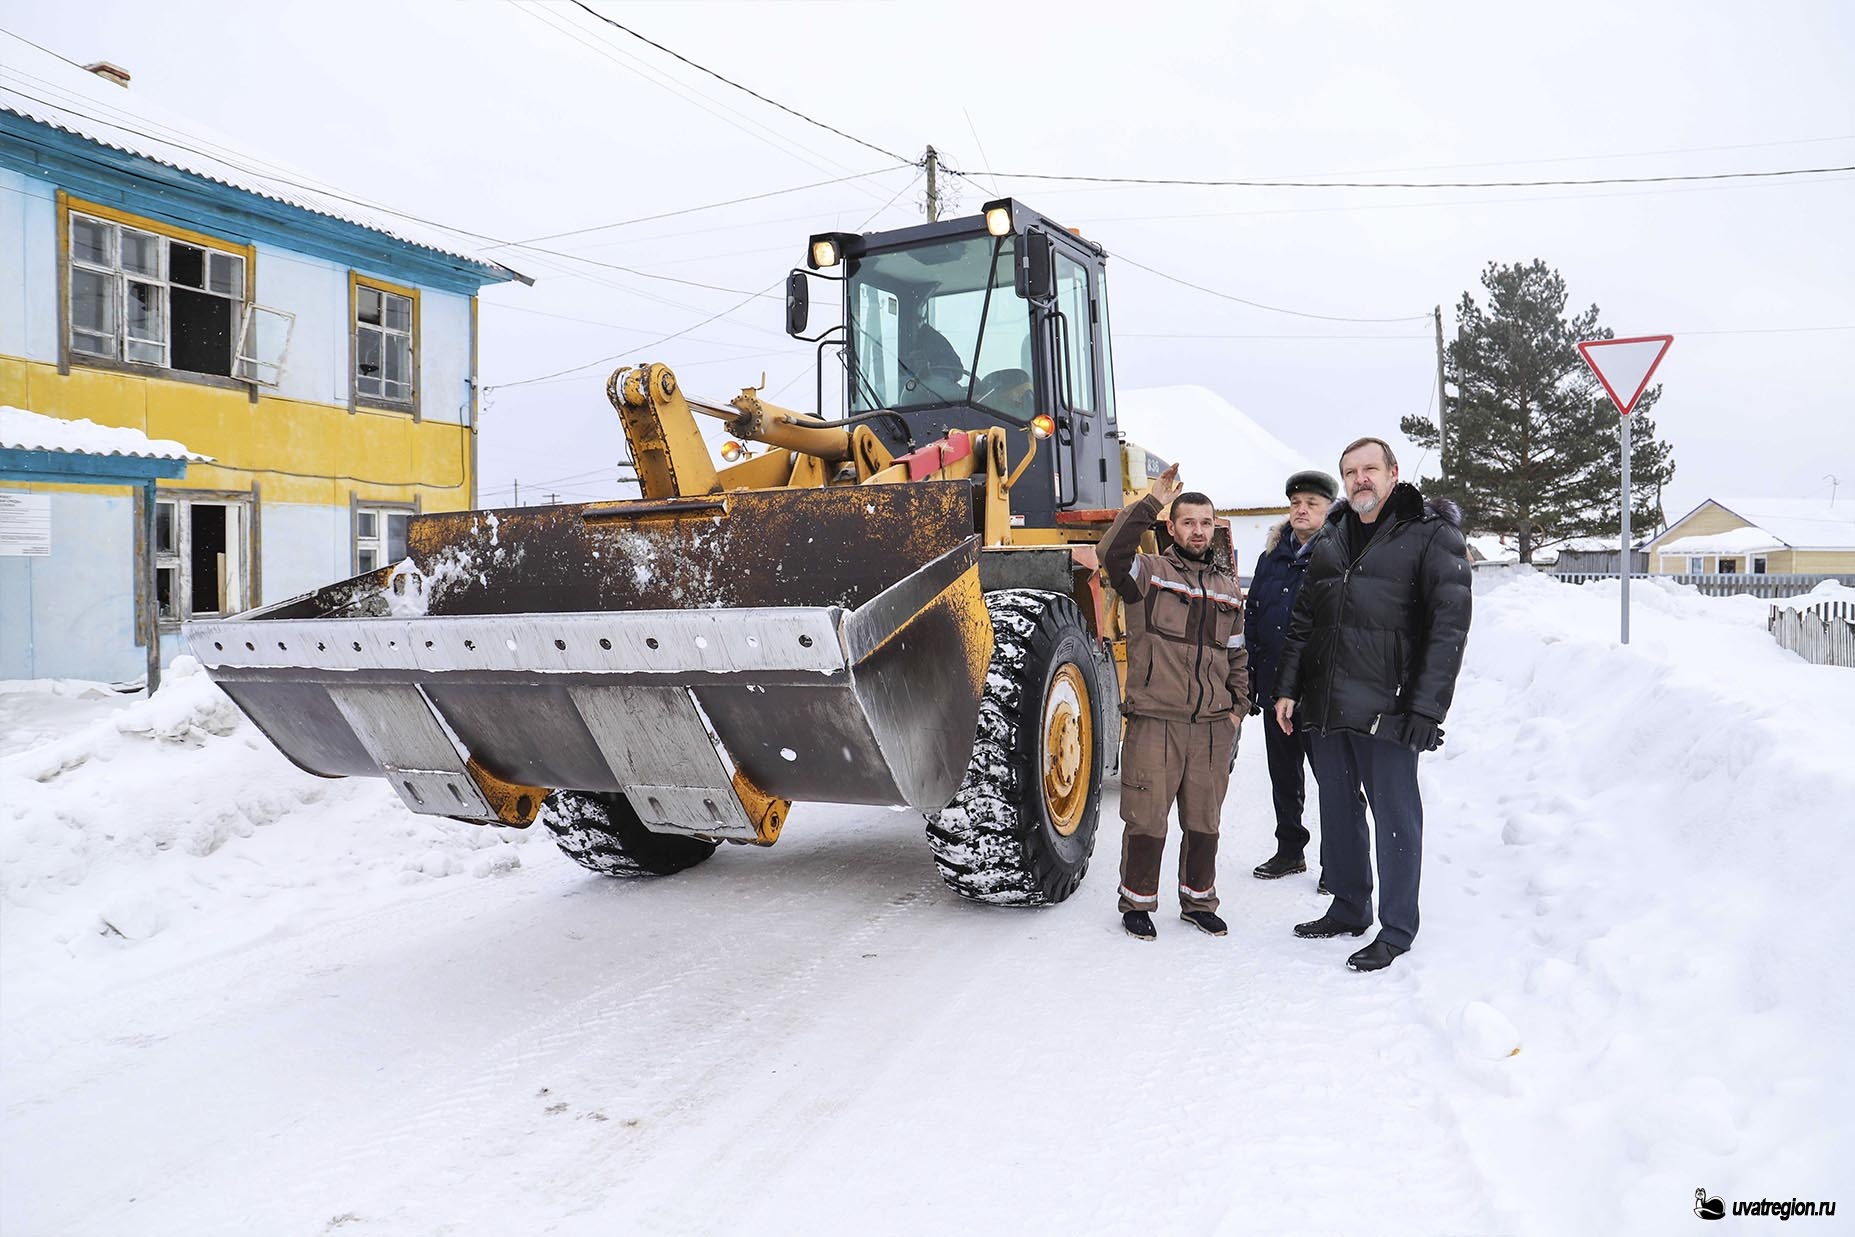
(602, 832)
(1022, 827)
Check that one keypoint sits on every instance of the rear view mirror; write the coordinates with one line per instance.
(1036, 273)
(798, 303)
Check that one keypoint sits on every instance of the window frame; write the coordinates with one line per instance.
(70, 355)
(178, 556)
(379, 510)
(413, 403)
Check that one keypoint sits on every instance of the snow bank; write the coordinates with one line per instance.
(173, 817)
(1639, 866)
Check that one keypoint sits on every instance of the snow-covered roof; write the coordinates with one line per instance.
(1733, 541)
(1221, 451)
(1489, 548)
(34, 431)
(42, 87)
(1800, 523)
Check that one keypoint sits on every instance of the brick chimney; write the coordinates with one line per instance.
(109, 73)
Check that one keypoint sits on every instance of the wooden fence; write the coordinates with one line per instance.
(1733, 584)
(1823, 633)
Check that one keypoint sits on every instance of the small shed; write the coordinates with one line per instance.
(41, 579)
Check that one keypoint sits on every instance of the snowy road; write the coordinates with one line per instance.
(315, 1021)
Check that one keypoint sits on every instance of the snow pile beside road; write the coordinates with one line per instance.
(175, 815)
(1639, 867)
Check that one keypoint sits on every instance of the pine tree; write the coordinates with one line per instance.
(1533, 439)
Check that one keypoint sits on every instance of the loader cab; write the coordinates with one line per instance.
(979, 322)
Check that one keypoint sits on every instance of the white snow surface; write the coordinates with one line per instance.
(1800, 523)
(34, 431)
(1220, 450)
(1732, 541)
(236, 998)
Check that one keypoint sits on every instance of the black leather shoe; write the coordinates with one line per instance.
(1374, 957)
(1206, 922)
(1326, 926)
(1140, 924)
(1280, 865)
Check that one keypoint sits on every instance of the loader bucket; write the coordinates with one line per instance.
(827, 645)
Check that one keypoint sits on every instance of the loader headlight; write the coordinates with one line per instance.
(732, 451)
(825, 253)
(1043, 425)
(998, 217)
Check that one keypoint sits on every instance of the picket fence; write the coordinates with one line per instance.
(1733, 584)
(1823, 633)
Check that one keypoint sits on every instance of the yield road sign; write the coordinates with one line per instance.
(1625, 365)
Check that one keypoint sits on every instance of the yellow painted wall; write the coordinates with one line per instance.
(299, 452)
(1705, 521)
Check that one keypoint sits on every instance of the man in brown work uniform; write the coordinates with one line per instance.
(1187, 692)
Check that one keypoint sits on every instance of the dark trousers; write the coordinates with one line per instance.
(1286, 754)
(1343, 764)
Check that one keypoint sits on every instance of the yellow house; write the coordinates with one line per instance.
(1758, 536)
(321, 353)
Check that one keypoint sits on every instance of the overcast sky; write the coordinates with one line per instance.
(520, 120)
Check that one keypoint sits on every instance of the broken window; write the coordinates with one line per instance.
(139, 295)
(200, 557)
(384, 326)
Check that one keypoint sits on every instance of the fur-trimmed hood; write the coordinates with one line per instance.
(1406, 502)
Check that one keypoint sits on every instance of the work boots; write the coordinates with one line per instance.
(1283, 863)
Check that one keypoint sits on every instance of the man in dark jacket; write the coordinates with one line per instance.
(1188, 687)
(1369, 668)
(1266, 611)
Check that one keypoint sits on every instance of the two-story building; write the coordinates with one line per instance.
(321, 353)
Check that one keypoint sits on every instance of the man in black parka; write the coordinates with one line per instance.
(1368, 669)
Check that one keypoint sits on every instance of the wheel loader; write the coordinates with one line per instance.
(895, 602)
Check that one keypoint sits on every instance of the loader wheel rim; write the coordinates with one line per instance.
(1068, 740)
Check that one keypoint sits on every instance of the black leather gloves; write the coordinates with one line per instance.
(1420, 733)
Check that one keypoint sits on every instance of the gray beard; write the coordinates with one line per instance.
(1366, 504)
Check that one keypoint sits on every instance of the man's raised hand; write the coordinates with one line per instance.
(1168, 486)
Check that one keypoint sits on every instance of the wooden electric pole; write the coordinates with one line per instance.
(933, 186)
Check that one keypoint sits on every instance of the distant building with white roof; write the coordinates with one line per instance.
(1221, 452)
(1758, 536)
(316, 356)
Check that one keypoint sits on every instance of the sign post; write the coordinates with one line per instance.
(1625, 365)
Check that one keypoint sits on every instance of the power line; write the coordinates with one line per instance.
(597, 42)
(1175, 335)
(690, 210)
(1275, 309)
(1404, 184)
(731, 82)
(574, 369)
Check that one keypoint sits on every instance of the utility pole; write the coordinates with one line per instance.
(933, 186)
(1442, 401)
(518, 492)
(553, 500)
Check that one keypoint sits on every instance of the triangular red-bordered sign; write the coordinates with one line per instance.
(1625, 365)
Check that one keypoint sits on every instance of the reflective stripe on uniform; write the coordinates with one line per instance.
(1131, 896)
(1222, 599)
